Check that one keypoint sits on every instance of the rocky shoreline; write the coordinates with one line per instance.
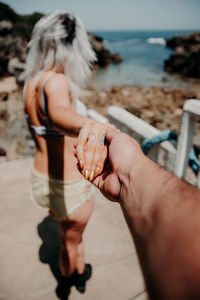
(159, 106)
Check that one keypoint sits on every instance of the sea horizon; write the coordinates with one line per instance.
(146, 30)
(143, 53)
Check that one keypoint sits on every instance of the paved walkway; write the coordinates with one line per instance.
(29, 247)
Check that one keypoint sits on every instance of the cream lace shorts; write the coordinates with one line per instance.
(62, 198)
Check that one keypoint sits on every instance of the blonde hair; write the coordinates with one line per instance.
(60, 42)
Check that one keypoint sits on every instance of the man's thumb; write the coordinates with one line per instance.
(111, 132)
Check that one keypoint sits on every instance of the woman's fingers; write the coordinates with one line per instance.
(100, 162)
(82, 139)
(99, 158)
(94, 160)
(90, 150)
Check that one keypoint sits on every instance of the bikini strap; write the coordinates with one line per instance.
(44, 100)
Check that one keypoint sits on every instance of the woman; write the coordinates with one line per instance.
(58, 63)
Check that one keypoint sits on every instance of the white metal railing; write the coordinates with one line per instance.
(191, 113)
(96, 116)
(175, 160)
(164, 153)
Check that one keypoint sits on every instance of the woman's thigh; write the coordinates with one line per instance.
(73, 227)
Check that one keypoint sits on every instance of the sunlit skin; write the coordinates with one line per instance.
(163, 215)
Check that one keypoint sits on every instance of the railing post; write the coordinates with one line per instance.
(191, 113)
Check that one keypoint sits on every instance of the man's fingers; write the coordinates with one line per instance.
(109, 186)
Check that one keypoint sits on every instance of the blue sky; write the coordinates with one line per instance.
(121, 14)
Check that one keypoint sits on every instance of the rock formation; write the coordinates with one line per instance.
(186, 59)
(104, 57)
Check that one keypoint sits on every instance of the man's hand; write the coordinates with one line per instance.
(123, 151)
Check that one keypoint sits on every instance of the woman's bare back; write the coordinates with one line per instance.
(54, 155)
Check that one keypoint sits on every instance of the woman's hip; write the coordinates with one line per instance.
(63, 198)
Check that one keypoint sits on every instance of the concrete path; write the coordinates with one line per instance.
(29, 247)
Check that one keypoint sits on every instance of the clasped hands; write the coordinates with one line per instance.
(91, 148)
(106, 156)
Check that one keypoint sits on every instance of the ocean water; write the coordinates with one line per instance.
(143, 54)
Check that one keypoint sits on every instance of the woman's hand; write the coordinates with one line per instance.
(91, 150)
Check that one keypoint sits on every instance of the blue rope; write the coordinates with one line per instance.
(167, 135)
(194, 162)
(164, 135)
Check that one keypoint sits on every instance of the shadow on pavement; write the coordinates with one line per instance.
(48, 231)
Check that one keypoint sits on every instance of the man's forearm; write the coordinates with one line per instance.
(163, 214)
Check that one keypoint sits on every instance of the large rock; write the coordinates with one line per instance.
(11, 48)
(186, 59)
(104, 56)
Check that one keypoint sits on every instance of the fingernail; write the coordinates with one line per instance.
(86, 174)
(81, 163)
(97, 171)
(91, 175)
